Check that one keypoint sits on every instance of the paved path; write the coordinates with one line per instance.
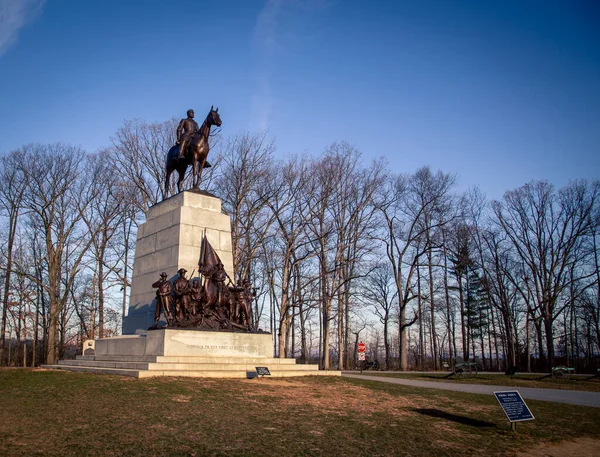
(573, 397)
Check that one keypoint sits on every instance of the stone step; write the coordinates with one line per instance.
(233, 374)
(115, 371)
(188, 359)
(119, 358)
(222, 366)
(226, 367)
(105, 364)
(250, 360)
(240, 374)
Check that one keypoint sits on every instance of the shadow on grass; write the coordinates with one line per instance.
(453, 417)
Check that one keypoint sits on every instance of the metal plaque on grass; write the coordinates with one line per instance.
(514, 406)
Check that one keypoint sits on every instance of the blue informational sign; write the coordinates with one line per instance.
(514, 406)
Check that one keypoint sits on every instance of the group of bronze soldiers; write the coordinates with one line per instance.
(213, 306)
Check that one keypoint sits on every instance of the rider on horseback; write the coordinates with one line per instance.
(187, 128)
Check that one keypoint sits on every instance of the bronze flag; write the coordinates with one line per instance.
(208, 257)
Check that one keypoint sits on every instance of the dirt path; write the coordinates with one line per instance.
(581, 447)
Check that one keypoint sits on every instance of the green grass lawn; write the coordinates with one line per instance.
(587, 383)
(63, 413)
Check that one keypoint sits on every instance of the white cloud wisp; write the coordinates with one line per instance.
(14, 14)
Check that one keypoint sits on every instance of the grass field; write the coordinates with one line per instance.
(63, 413)
(587, 383)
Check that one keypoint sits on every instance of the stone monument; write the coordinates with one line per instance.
(206, 330)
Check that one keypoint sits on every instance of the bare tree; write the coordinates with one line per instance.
(380, 292)
(56, 198)
(355, 225)
(340, 209)
(407, 206)
(102, 218)
(244, 186)
(548, 230)
(431, 194)
(139, 154)
(12, 187)
(288, 243)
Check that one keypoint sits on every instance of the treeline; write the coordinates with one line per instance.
(339, 250)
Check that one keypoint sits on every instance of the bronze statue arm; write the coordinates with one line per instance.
(180, 129)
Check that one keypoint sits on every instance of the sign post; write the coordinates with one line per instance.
(514, 407)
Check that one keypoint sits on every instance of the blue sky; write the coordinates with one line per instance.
(498, 92)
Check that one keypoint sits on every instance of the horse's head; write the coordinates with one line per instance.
(213, 117)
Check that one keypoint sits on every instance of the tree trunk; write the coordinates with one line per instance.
(402, 339)
(434, 343)
(450, 320)
(463, 328)
(421, 330)
(12, 224)
(386, 342)
(549, 342)
(101, 295)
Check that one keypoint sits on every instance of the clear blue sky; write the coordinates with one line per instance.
(499, 92)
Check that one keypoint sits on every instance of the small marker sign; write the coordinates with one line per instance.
(263, 371)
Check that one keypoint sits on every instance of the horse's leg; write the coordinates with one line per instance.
(169, 169)
(200, 168)
(195, 171)
(168, 180)
(180, 177)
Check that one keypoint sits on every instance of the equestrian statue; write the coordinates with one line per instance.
(191, 149)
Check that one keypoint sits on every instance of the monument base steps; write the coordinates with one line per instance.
(189, 353)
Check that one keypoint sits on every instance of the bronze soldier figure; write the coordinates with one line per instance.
(218, 276)
(238, 301)
(196, 297)
(163, 299)
(181, 292)
(185, 130)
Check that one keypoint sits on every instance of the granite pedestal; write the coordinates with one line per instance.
(170, 239)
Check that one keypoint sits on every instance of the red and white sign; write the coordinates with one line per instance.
(361, 356)
(362, 347)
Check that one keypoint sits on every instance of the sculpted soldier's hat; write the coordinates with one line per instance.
(163, 275)
(181, 271)
(190, 111)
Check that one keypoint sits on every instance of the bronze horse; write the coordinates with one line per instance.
(195, 154)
